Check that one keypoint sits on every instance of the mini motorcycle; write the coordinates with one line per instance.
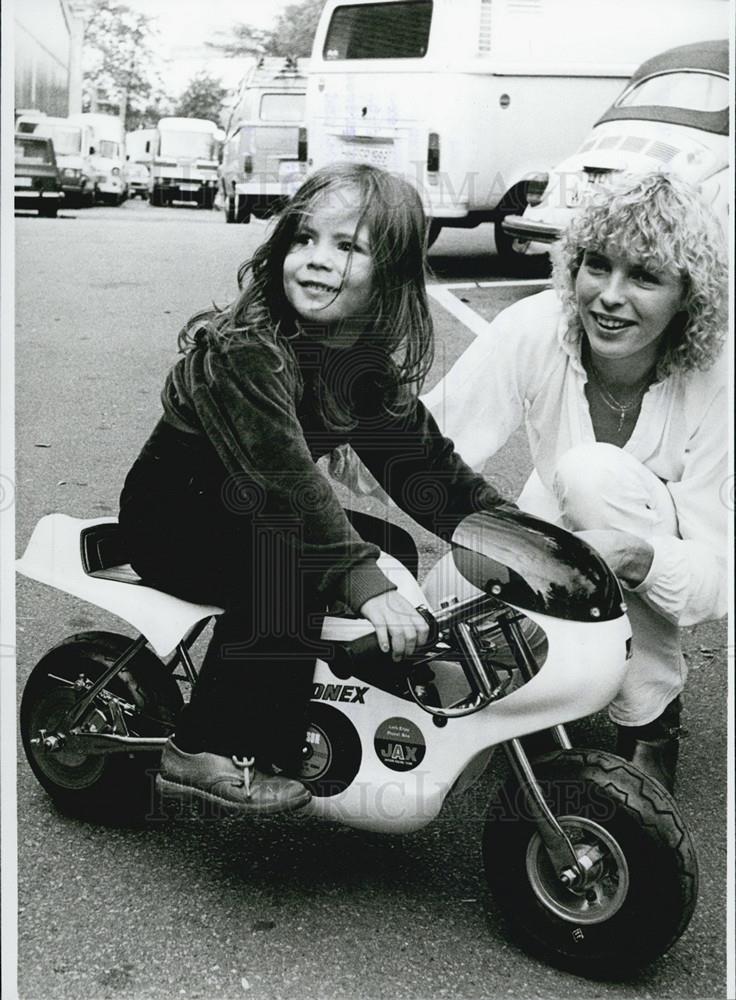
(588, 859)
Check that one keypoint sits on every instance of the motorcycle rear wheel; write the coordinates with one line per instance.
(642, 891)
(114, 786)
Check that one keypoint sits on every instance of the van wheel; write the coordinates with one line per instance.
(48, 211)
(229, 208)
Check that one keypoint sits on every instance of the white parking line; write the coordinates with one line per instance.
(442, 295)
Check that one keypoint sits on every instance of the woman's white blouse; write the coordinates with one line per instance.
(522, 369)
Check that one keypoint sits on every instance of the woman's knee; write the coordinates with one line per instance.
(591, 477)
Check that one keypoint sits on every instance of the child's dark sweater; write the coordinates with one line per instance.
(252, 424)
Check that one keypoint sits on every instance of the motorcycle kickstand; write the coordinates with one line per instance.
(556, 842)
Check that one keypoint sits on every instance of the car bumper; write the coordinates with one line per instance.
(33, 197)
(520, 228)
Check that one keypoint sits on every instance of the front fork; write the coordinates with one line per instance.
(571, 869)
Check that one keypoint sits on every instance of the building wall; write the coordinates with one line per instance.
(42, 56)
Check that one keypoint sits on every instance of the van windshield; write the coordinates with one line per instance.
(67, 140)
(108, 148)
(194, 144)
(33, 151)
(282, 107)
(379, 31)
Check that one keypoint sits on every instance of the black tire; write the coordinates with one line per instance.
(48, 210)
(243, 206)
(433, 231)
(229, 208)
(647, 881)
(114, 786)
(156, 197)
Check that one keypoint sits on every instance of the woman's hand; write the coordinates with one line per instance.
(399, 626)
(629, 556)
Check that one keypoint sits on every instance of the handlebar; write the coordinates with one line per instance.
(350, 656)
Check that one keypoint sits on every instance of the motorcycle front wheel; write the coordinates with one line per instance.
(117, 786)
(641, 888)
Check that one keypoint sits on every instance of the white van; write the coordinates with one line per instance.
(184, 159)
(108, 159)
(470, 99)
(74, 147)
(260, 156)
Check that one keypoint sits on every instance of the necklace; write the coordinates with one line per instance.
(614, 404)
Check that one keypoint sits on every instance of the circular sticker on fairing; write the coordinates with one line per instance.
(399, 744)
(332, 751)
(317, 753)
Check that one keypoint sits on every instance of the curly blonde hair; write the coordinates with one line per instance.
(660, 221)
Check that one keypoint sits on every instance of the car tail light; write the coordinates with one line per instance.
(433, 153)
(248, 164)
(536, 186)
(301, 154)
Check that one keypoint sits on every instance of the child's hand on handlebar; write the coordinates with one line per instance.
(399, 626)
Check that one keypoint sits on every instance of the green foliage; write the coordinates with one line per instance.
(295, 28)
(292, 34)
(202, 98)
(119, 61)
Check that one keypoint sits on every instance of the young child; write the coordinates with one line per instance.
(328, 343)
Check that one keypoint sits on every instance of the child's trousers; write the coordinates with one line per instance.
(255, 683)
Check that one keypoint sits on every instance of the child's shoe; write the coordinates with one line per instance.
(227, 782)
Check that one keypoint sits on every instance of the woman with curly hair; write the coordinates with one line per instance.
(618, 376)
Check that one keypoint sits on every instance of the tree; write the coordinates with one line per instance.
(120, 66)
(202, 98)
(292, 34)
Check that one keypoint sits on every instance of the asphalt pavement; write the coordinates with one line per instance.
(285, 907)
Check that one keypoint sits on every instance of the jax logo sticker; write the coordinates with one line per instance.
(399, 744)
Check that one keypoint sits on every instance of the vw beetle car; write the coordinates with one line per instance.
(672, 115)
(37, 178)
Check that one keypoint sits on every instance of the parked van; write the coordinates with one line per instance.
(184, 158)
(108, 159)
(260, 158)
(470, 99)
(74, 147)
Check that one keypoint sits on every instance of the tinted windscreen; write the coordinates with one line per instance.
(693, 91)
(379, 31)
(536, 566)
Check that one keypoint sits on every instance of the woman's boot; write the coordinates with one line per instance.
(654, 748)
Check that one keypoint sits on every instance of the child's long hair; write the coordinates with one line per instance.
(398, 341)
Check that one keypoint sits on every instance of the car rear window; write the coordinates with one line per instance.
(32, 151)
(689, 90)
(379, 31)
(282, 107)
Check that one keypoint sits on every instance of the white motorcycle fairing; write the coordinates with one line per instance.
(378, 761)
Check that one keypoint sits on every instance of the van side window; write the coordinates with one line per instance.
(379, 31)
